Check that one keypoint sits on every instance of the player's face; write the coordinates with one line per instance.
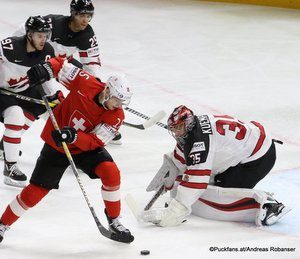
(113, 103)
(81, 21)
(178, 130)
(39, 39)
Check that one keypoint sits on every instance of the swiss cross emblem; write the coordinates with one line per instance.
(79, 122)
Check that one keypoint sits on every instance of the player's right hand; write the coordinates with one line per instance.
(40, 73)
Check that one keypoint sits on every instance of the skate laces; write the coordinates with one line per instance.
(3, 228)
(117, 224)
(14, 170)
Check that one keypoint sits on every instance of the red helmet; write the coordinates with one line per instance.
(181, 114)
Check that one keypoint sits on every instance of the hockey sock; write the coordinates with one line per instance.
(28, 198)
(110, 177)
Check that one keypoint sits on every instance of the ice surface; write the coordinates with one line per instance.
(214, 58)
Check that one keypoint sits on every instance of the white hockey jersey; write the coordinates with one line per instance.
(215, 144)
(66, 42)
(15, 62)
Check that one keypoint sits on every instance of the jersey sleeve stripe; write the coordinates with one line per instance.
(92, 63)
(198, 172)
(179, 158)
(261, 137)
(83, 54)
(194, 185)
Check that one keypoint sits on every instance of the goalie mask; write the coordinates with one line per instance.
(119, 88)
(180, 122)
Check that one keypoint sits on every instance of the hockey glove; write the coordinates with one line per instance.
(174, 215)
(40, 73)
(67, 135)
(56, 98)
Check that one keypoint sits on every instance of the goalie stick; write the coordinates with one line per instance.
(149, 122)
(105, 232)
(132, 204)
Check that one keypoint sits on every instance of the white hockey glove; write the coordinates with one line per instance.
(152, 216)
(166, 175)
(174, 215)
(105, 132)
(67, 73)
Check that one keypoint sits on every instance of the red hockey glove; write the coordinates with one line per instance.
(67, 134)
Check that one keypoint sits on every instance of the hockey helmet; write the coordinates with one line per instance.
(81, 6)
(181, 118)
(119, 87)
(37, 24)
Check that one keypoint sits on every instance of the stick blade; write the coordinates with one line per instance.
(154, 119)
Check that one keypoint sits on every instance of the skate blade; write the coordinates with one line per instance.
(11, 182)
(274, 219)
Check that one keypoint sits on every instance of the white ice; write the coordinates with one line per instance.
(212, 57)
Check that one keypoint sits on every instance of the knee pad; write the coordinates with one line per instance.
(109, 174)
(32, 194)
(14, 116)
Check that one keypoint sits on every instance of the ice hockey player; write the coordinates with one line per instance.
(17, 55)
(216, 163)
(72, 34)
(89, 118)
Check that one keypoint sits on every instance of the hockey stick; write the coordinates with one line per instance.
(102, 229)
(148, 123)
(145, 117)
(154, 198)
(25, 98)
(133, 206)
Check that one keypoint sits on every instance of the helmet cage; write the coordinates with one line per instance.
(181, 115)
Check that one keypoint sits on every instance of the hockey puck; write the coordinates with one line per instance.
(145, 252)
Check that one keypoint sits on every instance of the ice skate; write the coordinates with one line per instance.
(3, 228)
(271, 213)
(13, 175)
(116, 140)
(116, 226)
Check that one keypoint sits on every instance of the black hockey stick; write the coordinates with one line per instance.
(105, 232)
(148, 123)
(154, 198)
(144, 117)
(25, 98)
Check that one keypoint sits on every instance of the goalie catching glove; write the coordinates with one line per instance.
(67, 135)
(172, 216)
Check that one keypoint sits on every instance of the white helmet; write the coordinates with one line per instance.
(119, 87)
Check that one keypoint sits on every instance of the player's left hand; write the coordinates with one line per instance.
(67, 135)
(56, 98)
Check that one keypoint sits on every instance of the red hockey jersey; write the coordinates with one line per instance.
(81, 110)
